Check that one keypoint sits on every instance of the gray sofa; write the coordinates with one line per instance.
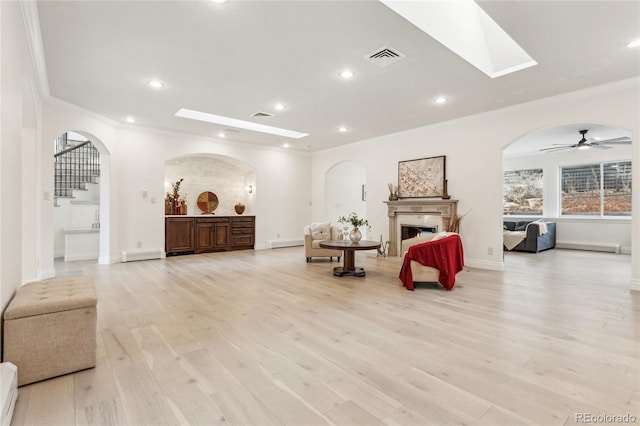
(533, 242)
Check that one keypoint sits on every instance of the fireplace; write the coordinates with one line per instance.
(412, 231)
(417, 213)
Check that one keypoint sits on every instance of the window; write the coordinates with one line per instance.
(601, 189)
(522, 192)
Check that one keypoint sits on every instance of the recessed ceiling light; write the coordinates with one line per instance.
(285, 145)
(634, 43)
(218, 1)
(241, 124)
(279, 107)
(222, 135)
(130, 120)
(156, 84)
(346, 74)
(441, 100)
(342, 129)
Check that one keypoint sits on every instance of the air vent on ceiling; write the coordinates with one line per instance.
(384, 56)
(262, 114)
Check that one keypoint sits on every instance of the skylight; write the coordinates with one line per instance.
(241, 124)
(464, 28)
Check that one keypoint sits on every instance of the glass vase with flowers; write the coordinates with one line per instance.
(357, 222)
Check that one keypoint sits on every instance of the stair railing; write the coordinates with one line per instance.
(75, 166)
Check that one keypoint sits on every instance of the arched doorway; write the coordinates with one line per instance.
(345, 186)
(585, 192)
(82, 218)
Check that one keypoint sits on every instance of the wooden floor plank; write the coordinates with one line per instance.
(51, 402)
(265, 338)
(142, 398)
(107, 412)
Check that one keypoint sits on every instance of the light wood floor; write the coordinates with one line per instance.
(264, 338)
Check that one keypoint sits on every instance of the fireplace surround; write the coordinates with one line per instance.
(419, 213)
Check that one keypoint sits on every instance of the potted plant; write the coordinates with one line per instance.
(357, 222)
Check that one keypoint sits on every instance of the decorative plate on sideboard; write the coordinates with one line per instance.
(207, 202)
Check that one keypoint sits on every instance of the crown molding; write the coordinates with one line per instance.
(31, 21)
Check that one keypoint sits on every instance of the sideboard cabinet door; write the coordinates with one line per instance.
(212, 234)
(179, 235)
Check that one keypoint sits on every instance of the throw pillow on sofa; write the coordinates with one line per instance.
(321, 231)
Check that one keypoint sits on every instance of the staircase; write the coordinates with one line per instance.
(77, 198)
(76, 164)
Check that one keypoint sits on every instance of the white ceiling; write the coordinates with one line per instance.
(241, 57)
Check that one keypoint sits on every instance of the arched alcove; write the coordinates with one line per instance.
(549, 151)
(232, 180)
(345, 191)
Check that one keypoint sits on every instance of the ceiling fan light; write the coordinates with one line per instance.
(583, 147)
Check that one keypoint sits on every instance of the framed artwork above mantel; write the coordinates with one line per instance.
(422, 178)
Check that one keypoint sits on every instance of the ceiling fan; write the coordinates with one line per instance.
(591, 143)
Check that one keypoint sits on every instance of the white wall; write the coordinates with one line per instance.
(473, 146)
(20, 118)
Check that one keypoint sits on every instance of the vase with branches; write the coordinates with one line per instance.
(454, 223)
(357, 222)
(173, 202)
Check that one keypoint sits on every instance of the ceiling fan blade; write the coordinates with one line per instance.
(615, 142)
(599, 146)
(557, 148)
(621, 139)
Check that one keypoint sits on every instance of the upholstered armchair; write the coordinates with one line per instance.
(438, 257)
(317, 232)
(421, 273)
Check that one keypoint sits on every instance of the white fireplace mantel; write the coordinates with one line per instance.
(446, 209)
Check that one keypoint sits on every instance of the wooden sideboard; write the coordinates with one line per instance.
(203, 234)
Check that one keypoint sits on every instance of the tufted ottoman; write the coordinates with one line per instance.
(50, 328)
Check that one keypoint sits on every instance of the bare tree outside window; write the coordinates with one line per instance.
(617, 189)
(522, 192)
(602, 189)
